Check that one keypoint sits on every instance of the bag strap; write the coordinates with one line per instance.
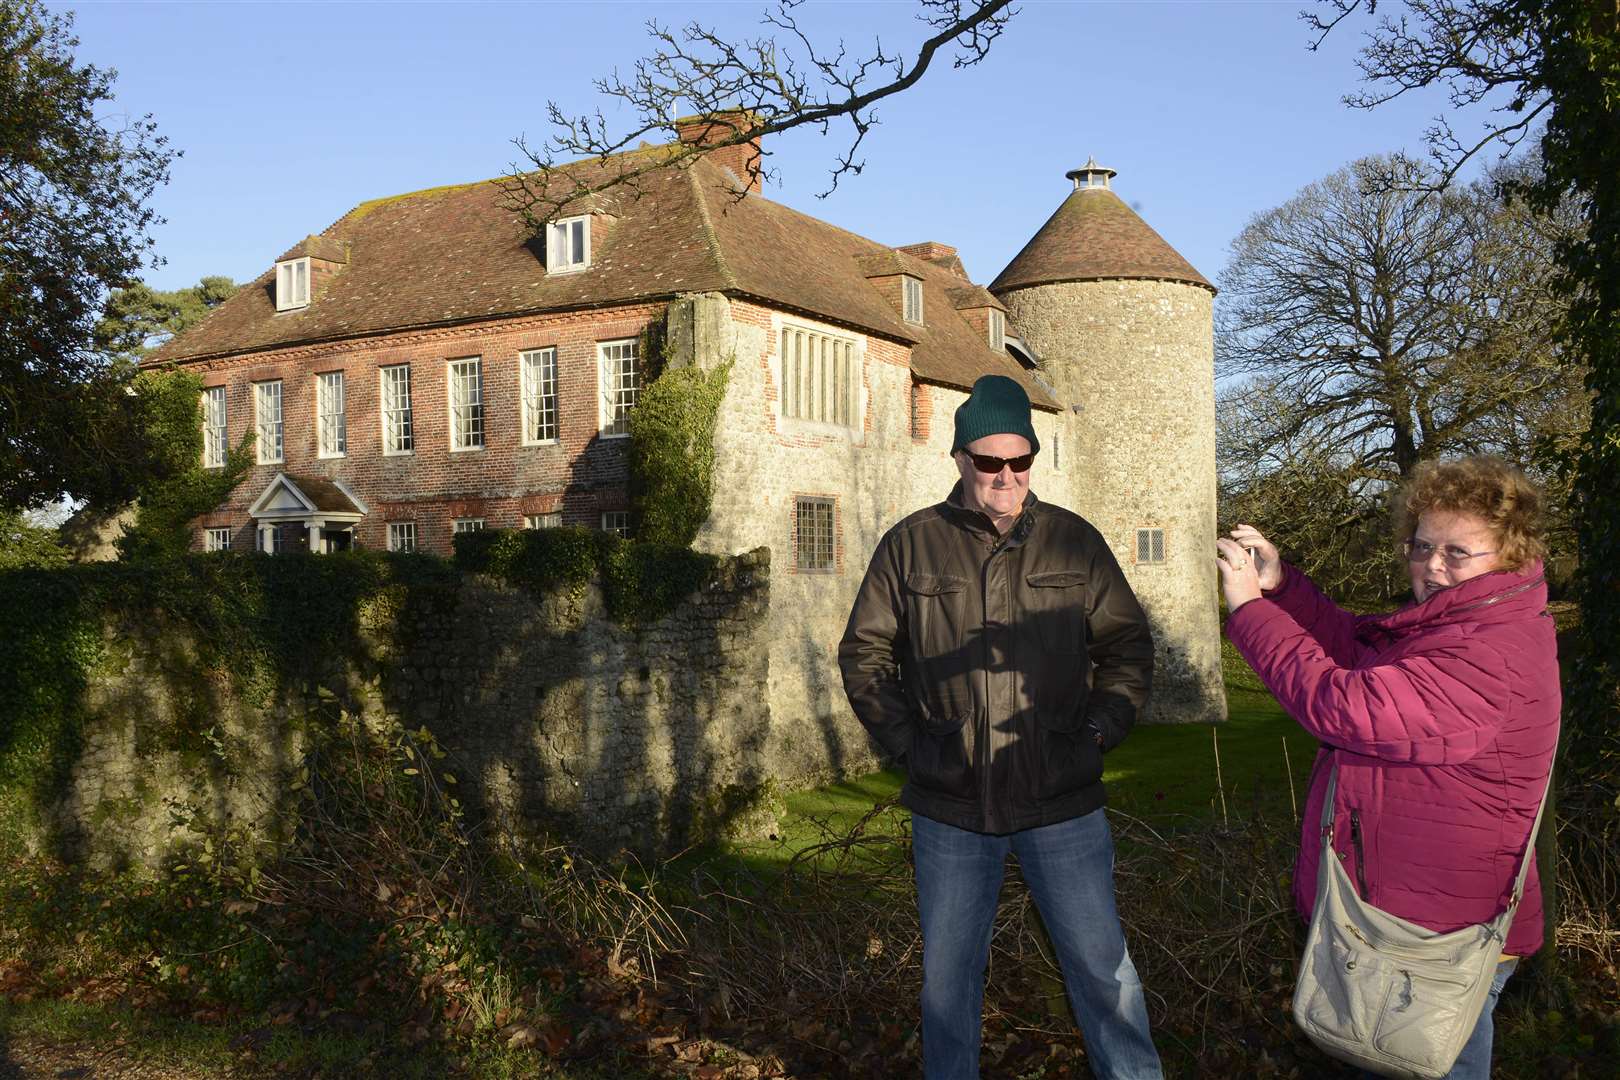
(1524, 858)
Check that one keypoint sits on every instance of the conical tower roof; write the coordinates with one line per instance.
(1094, 236)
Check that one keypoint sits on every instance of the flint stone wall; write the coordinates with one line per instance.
(554, 717)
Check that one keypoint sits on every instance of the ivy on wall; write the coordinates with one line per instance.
(672, 452)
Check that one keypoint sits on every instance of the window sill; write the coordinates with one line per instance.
(612, 435)
(332, 457)
(543, 442)
(564, 271)
(466, 449)
(399, 453)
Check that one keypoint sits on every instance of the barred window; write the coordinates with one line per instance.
(214, 444)
(998, 330)
(466, 404)
(616, 522)
(331, 423)
(540, 396)
(402, 536)
(552, 520)
(217, 540)
(913, 299)
(267, 419)
(813, 533)
(820, 379)
(396, 409)
(1150, 545)
(620, 384)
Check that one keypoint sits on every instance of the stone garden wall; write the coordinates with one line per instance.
(553, 716)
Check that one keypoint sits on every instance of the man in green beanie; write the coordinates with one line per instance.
(996, 649)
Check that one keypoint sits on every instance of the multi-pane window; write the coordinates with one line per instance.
(813, 533)
(217, 540)
(292, 284)
(1150, 545)
(396, 409)
(402, 536)
(998, 330)
(466, 404)
(331, 424)
(267, 420)
(820, 377)
(616, 522)
(552, 520)
(568, 244)
(912, 291)
(620, 384)
(540, 396)
(467, 525)
(213, 406)
(285, 538)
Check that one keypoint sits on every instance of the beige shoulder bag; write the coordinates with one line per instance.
(1386, 994)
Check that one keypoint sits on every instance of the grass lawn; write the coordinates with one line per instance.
(1163, 773)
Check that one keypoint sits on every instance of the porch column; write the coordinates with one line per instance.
(267, 538)
(315, 537)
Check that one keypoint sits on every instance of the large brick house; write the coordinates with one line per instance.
(422, 367)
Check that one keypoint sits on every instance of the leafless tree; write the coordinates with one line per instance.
(1480, 52)
(1365, 326)
(750, 88)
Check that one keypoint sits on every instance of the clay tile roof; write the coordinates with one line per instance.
(973, 296)
(319, 247)
(1095, 236)
(457, 254)
(325, 494)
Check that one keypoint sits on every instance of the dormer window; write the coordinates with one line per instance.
(292, 284)
(912, 293)
(998, 330)
(568, 244)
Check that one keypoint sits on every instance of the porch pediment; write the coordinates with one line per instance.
(288, 497)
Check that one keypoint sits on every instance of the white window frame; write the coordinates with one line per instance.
(616, 522)
(215, 419)
(552, 520)
(217, 539)
(466, 394)
(998, 330)
(292, 284)
(821, 560)
(615, 399)
(911, 304)
(541, 421)
(402, 536)
(821, 377)
(394, 409)
(468, 525)
(271, 431)
(568, 244)
(331, 419)
(1150, 547)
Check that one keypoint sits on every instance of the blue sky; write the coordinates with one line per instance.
(290, 113)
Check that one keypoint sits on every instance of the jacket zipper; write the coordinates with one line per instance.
(1361, 863)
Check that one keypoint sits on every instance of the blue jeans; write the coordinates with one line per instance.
(1474, 1063)
(1070, 871)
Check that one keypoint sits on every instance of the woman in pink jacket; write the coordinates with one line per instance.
(1441, 717)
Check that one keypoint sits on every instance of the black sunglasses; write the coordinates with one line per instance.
(987, 463)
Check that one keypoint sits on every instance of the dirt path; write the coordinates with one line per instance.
(23, 1058)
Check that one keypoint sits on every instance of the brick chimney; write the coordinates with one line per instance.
(743, 159)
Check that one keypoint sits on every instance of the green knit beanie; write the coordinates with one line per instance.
(997, 406)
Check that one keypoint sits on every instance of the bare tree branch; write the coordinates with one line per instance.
(747, 89)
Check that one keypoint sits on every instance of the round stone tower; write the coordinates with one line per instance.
(1121, 325)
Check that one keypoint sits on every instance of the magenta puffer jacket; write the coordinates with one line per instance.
(1442, 718)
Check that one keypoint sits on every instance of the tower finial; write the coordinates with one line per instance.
(1091, 175)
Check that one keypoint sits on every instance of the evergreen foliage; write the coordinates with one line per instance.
(672, 452)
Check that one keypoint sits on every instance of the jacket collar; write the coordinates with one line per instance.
(956, 511)
(1500, 596)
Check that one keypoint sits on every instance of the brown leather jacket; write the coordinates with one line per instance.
(998, 668)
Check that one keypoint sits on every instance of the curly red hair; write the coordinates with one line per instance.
(1488, 488)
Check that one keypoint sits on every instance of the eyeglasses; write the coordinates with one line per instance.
(1456, 557)
(987, 463)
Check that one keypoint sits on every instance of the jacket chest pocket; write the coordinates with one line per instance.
(941, 641)
(1056, 604)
